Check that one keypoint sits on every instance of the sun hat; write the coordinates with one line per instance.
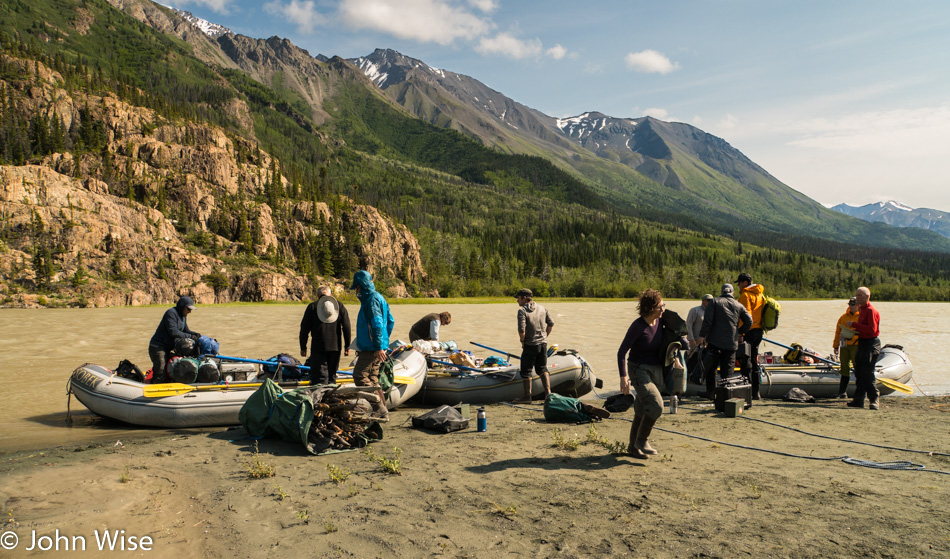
(328, 309)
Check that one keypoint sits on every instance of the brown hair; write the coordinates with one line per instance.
(649, 301)
(445, 317)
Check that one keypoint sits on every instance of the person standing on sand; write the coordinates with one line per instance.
(174, 326)
(327, 323)
(694, 321)
(846, 345)
(374, 324)
(644, 344)
(868, 327)
(534, 327)
(752, 298)
(427, 327)
(720, 333)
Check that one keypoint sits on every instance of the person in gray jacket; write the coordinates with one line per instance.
(720, 333)
(534, 327)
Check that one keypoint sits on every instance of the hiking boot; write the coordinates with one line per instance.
(853, 404)
(873, 406)
(841, 396)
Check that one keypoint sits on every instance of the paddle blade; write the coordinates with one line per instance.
(894, 385)
(167, 389)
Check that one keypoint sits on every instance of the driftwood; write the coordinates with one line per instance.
(340, 417)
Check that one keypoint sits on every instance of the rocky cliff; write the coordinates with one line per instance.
(165, 207)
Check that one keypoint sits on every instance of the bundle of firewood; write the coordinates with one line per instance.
(341, 416)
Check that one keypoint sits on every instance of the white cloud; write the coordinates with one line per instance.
(656, 112)
(301, 14)
(430, 21)
(556, 52)
(486, 6)
(510, 46)
(728, 122)
(650, 62)
(217, 6)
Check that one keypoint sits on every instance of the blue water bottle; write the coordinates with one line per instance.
(482, 421)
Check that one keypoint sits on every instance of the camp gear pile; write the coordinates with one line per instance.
(322, 418)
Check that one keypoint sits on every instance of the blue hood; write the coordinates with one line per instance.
(364, 281)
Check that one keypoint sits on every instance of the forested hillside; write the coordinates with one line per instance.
(486, 222)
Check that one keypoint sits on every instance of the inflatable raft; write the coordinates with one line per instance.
(821, 380)
(201, 405)
(570, 376)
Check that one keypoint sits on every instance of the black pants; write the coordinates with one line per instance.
(722, 359)
(751, 369)
(869, 349)
(536, 357)
(319, 374)
(158, 356)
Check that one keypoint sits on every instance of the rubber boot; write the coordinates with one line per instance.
(643, 435)
(632, 448)
(843, 387)
(526, 399)
(755, 384)
(546, 383)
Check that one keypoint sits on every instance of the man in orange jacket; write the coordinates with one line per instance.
(752, 298)
(846, 345)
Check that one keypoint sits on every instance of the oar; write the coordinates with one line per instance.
(818, 357)
(177, 389)
(895, 385)
(496, 350)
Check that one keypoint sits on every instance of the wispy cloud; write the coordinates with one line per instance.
(302, 14)
(921, 132)
(428, 21)
(556, 52)
(657, 112)
(651, 62)
(486, 6)
(510, 46)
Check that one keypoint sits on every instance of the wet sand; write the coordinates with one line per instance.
(511, 491)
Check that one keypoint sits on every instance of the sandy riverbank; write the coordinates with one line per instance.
(510, 491)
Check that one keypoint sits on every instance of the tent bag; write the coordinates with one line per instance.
(564, 409)
(443, 419)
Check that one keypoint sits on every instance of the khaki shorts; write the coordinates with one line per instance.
(366, 370)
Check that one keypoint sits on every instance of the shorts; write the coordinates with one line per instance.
(536, 357)
(366, 370)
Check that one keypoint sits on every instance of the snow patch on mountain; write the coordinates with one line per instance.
(212, 30)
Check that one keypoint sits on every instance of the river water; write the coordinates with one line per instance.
(40, 348)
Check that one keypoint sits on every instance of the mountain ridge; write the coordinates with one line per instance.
(894, 213)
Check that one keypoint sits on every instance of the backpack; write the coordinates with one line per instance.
(793, 355)
(288, 371)
(127, 369)
(770, 312)
(443, 419)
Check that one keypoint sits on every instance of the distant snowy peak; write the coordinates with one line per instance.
(212, 30)
(581, 126)
(386, 67)
(899, 215)
(894, 205)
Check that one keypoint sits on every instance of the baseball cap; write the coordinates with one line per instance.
(727, 289)
(744, 277)
(708, 297)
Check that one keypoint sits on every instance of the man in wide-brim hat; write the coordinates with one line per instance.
(328, 324)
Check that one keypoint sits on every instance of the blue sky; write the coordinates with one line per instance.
(845, 101)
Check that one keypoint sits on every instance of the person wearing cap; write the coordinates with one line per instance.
(173, 327)
(752, 297)
(868, 327)
(327, 323)
(427, 327)
(374, 324)
(534, 327)
(846, 345)
(724, 321)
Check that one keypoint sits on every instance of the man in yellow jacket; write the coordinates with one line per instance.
(846, 345)
(752, 298)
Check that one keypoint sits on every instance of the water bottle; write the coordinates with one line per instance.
(481, 420)
(674, 403)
